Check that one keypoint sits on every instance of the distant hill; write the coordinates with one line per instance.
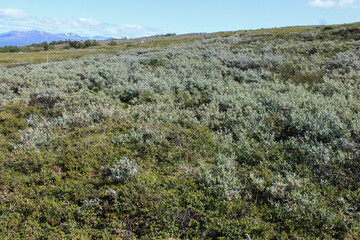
(16, 38)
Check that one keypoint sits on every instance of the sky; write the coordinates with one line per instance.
(136, 18)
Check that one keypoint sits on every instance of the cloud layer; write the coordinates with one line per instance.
(17, 19)
(332, 3)
(13, 13)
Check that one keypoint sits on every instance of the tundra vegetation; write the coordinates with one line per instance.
(225, 136)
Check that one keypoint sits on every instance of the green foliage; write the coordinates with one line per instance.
(10, 49)
(53, 43)
(76, 44)
(46, 46)
(91, 43)
(112, 43)
(10, 121)
(81, 44)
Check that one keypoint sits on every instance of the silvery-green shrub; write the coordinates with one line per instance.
(123, 169)
(221, 177)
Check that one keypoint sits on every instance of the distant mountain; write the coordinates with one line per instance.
(15, 38)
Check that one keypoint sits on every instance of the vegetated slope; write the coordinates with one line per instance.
(255, 135)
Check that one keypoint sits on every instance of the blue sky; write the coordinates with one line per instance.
(135, 18)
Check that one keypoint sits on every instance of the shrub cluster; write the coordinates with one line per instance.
(254, 135)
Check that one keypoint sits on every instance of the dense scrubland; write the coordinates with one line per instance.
(240, 135)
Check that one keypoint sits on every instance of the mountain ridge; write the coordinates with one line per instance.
(23, 38)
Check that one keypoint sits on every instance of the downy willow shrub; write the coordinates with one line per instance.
(123, 169)
(145, 134)
(89, 204)
(221, 177)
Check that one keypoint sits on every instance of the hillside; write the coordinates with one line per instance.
(232, 135)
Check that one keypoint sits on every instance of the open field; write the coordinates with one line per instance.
(230, 135)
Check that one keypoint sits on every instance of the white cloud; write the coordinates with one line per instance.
(19, 20)
(131, 31)
(322, 3)
(95, 27)
(86, 22)
(332, 3)
(50, 21)
(13, 13)
(344, 3)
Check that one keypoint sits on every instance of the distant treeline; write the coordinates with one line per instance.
(10, 49)
(47, 46)
(85, 44)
